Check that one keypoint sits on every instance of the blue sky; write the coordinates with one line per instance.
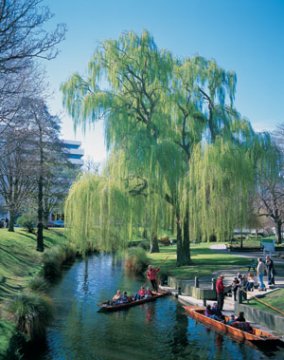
(246, 36)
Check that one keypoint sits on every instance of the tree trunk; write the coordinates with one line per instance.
(45, 219)
(182, 253)
(11, 221)
(186, 241)
(40, 244)
(279, 231)
(154, 246)
(145, 234)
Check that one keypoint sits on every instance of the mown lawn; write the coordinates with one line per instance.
(19, 258)
(204, 261)
(274, 299)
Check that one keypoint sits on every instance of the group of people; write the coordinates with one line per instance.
(214, 312)
(268, 267)
(245, 283)
(238, 322)
(143, 293)
(123, 298)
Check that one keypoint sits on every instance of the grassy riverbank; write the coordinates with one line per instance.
(271, 302)
(20, 262)
(204, 261)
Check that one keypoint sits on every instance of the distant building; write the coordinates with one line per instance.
(74, 151)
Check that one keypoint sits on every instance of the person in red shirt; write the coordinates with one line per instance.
(220, 292)
(152, 276)
(141, 292)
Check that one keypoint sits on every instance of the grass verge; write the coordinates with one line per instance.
(273, 299)
(20, 264)
(204, 261)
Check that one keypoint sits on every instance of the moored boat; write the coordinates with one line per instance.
(106, 307)
(256, 336)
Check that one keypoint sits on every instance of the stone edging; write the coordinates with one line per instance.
(271, 321)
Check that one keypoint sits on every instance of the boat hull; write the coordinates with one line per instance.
(110, 308)
(257, 336)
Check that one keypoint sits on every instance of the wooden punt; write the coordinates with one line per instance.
(257, 336)
(105, 307)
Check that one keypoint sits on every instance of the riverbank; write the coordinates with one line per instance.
(204, 261)
(20, 263)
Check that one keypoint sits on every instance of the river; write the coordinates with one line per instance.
(153, 331)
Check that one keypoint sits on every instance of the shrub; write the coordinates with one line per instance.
(54, 258)
(52, 261)
(38, 284)
(145, 244)
(32, 313)
(136, 260)
(27, 221)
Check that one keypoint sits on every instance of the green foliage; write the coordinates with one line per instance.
(20, 263)
(32, 313)
(222, 181)
(179, 153)
(97, 213)
(38, 284)
(136, 260)
(145, 244)
(54, 258)
(28, 221)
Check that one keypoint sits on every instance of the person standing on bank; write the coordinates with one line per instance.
(220, 292)
(270, 270)
(152, 276)
(260, 273)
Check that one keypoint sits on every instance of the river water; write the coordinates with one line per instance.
(153, 331)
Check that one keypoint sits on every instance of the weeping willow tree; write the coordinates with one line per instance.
(222, 181)
(156, 110)
(94, 216)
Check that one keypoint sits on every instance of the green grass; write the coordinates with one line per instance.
(19, 259)
(274, 299)
(204, 261)
(7, 330)
(20, 262)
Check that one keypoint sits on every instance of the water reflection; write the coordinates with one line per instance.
(157, 330)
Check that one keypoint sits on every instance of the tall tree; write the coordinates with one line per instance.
(16, 171)
(270, 185)
(22, 34)
(46, 146)
(156, 110)
(137, 72)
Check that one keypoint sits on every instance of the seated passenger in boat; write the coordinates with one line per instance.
(241, 317)
(241, 323)
(232, 320)
(124, 298)
(148, 293)
(140, 294)
(217, 313)
(211, 313)
(208, 311)
(116, 296)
